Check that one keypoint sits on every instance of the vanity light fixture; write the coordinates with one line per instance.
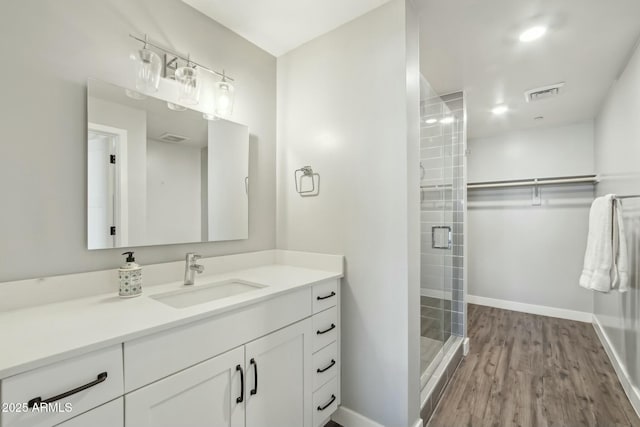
(176, 107)
(189, 85)
(499, 110)
(224, 96)
(188, 77)
(533, 33)
(134, 95)
(431, 121)
(149, 68)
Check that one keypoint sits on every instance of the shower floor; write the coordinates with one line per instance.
(429, 348)
(435, 328)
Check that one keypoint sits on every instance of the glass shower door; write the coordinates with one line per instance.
(436, 229)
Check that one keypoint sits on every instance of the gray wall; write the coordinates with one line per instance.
(50, 48)
(344, 108)
(618, 164)
(524, 253)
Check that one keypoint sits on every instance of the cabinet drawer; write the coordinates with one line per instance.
(325, 402)
(325, 365)
(70, 388)
(108, 415)
(325, 328)
(325, 295)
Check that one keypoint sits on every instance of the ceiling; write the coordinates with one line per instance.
(473, 45)
(279, 26)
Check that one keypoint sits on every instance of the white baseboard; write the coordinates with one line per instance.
(465, 346)
(562, 313)
(633, 393)
(348, 418)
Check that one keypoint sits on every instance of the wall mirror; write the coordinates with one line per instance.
(161, 174)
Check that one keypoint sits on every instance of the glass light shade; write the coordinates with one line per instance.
(224, 94)
(134, 95)
(189, 85)
(175, 107)
(149, 68)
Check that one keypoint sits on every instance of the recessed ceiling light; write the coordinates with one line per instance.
(533, 33)
(500, 109)
(430, 121)
(447, 120)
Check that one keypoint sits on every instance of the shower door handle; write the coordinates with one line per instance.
(441, 237)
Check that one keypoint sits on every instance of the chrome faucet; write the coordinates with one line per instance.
(191, 267)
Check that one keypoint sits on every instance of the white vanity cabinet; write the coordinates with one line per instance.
(108, 415)
(274, 362)
(265, 382)
(62, 390)
(279, 378)
(208, 394)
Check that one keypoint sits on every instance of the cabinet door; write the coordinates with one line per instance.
(279, 378)
(205, 395)
(108, 415)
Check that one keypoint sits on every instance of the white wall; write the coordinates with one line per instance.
(618, 164)
(538, 153)
(524, 253)
(56, 45)
(343, 108)
(174, 199)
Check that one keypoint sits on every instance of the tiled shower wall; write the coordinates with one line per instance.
(443, 194)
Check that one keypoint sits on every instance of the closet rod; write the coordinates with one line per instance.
(589, 179)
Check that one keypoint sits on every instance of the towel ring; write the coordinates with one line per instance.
(298, 176)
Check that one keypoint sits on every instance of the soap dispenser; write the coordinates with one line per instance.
(130, 275)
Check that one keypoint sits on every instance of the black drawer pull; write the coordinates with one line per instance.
(333, 362)
(255, 371)
(241, 398)
(332, 294)
(333, 399)
(38, 400)
(330, 328)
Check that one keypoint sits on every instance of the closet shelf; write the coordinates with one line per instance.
(583, 179)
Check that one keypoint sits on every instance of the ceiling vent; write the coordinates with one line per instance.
(171, 137)
(544, 92)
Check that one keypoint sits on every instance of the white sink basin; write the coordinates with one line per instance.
(200, 294)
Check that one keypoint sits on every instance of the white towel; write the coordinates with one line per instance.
(605, 260)
(620, 276)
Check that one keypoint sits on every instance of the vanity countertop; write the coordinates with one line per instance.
(36, 336)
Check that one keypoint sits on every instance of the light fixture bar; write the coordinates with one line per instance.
(147, 42)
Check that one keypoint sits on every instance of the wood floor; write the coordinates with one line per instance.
(532, 371)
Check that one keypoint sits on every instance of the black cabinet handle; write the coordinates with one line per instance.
(255, 371)
(38, 400)
(330, 328)
(322, 408)
(332, 294)
(241, 398)
(333, 362)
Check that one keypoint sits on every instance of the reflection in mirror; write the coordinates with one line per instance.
(158, 176)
